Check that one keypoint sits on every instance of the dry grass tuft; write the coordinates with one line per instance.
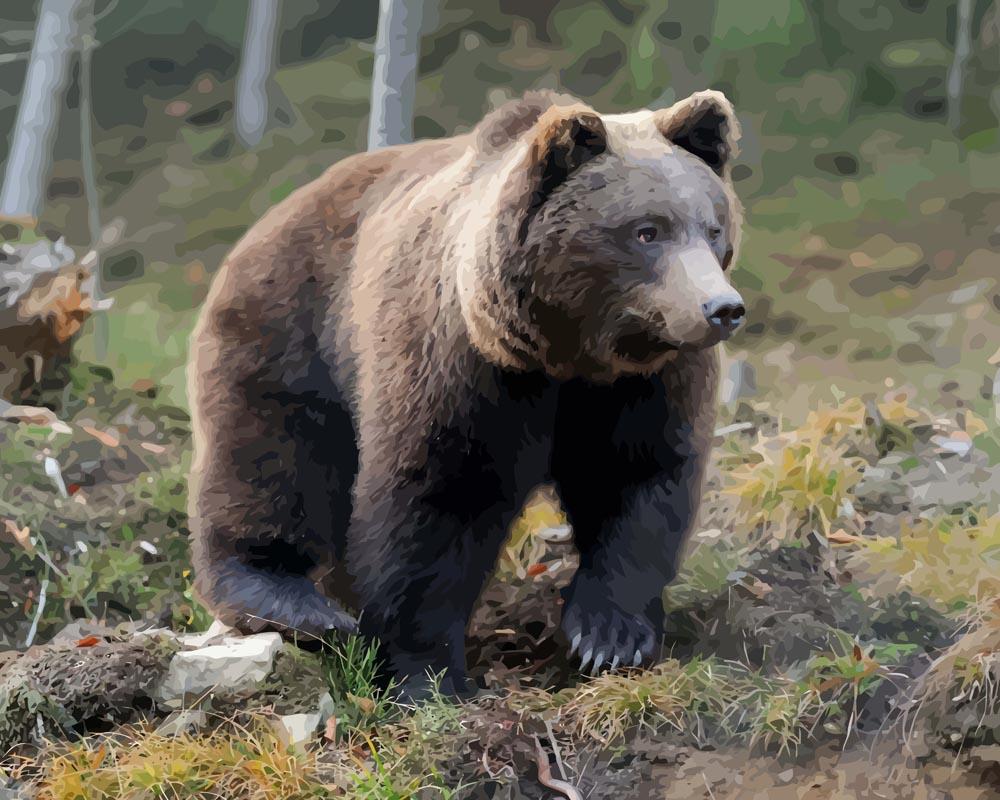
(253, 764)
(951, 562)
(960, 692)
(523, 547)
(796, 482)
(707, 699)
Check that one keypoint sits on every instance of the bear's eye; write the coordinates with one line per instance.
(647, 233)
(714, 233)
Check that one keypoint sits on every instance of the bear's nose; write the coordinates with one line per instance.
(725, 313)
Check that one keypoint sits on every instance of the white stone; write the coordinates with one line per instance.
(557, 534)
(182, 721)
(236, 663)
(216, 633)
(327, 708)
(300, 728)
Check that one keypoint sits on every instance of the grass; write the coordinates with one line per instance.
(705, 699)
(960, 692)
(351, 668)
(952, 562)
(253, 763)
(796, 482)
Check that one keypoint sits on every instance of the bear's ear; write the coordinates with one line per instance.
(705, 125)
(546, 146)
(563, 140)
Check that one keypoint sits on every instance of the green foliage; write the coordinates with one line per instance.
(351, 668)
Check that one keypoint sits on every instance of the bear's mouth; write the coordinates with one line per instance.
(641, 347)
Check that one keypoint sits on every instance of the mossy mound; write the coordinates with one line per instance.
(63, 690)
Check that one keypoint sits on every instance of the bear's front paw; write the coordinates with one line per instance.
(316, 618)
(606, 637)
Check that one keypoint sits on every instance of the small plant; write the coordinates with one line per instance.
(351, 670)
(793, 483)
(960, 692)
(951, 561)
(380, 781)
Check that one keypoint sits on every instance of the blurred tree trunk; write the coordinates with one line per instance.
(254, 92)
(956, 74)
(394, 80)
(30, 155)
(88, 167)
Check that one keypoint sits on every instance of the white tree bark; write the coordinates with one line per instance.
(30, 156)
(253, 81)
(963, 49)
(88, 168)
(394, 80)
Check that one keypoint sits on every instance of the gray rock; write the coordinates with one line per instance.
(234, 664)
(557, 534)
(217, 633)
(299, 728)
(183, 721)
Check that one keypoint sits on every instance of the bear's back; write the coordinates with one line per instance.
(295, 262)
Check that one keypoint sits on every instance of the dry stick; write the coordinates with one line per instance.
(568, 790)
(555, 748)
(38, 612)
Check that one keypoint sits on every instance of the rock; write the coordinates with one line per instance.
(327, 708)
(740, 381)
(217, 632)
(183, 721)
(235, 664)
(986, 752)
(557, 534)
(298, 728)
(950, 483)
(959, 443)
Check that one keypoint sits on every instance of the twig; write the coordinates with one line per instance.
(38, 612)
(707, 786)
(568, 790)
(555, 748)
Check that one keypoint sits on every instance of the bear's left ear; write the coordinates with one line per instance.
(705, 125)
(552, 136)
(562, 140)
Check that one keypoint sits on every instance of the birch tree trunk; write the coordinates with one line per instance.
(956, 74)
(394, 80)
(253, 81)
(88, 168)
(35, 126)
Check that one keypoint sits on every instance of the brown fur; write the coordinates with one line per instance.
(393, 357)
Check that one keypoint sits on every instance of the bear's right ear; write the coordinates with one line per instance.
(705, 125)
(558, 140)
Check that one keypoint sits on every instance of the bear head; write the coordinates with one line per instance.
(598, 245)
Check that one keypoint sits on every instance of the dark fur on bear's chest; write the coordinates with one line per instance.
(499, 450)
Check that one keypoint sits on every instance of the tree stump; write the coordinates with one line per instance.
(45, 297)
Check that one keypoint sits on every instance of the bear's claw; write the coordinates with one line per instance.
(608, 638)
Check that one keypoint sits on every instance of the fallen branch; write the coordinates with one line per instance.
(38, 612)
(568, 790)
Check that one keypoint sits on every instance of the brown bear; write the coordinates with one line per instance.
(396, 355)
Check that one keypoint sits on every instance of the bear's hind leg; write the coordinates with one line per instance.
(267, 510)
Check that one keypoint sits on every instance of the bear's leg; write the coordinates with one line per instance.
(419, 566)
(272, 485)
(627, 462)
